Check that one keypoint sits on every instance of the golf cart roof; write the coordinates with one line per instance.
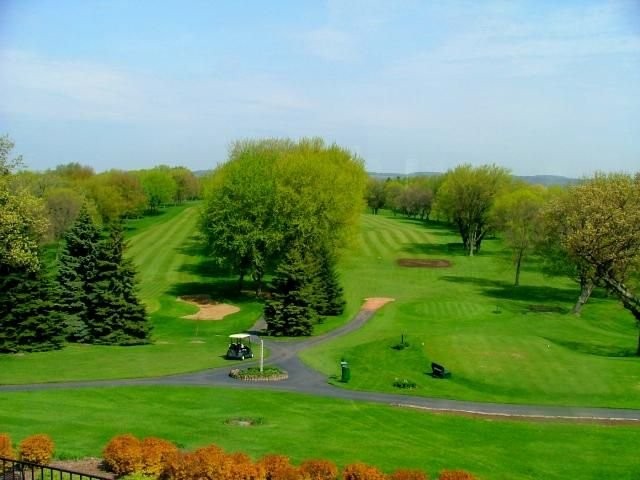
(240, 335)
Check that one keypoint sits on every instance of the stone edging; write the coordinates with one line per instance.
(235, 373)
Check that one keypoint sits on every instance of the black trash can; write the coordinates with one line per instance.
(346, 372)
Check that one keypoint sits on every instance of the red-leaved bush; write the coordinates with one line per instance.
(319, 470)
(455, 475)
(361, 471)
(37, 448)
(6, 450)
(405, 474)
(123, 454)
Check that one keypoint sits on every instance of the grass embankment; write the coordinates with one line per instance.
(168, 256)
(472, 320)
(311, 427)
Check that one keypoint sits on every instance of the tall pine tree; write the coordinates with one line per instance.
(291, 311)
(116, 316)
(29, 318)
(76, 274)
(333, 295)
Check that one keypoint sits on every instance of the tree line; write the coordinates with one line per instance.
(109, 196)
(90, 298)
(589, 231)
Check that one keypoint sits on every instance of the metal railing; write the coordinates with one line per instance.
(20, 470)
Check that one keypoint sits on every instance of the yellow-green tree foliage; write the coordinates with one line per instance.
(466, 197)
(273, 193)
(23, 220)
(517, 215)
(597, 223)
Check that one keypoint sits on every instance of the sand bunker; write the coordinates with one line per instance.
(208, 309)
(423, 263)
(375, 303)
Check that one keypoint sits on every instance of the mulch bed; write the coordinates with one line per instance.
(88, 466)
(423, 263)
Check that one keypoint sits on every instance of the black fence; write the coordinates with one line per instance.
(19, 470)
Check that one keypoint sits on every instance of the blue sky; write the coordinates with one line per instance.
(539, 87)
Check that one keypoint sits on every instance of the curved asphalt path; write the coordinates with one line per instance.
(302, 379)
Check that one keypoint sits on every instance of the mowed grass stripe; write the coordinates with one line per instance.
(371, 239)
(158, 260)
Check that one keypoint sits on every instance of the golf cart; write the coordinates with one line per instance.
(239, 346)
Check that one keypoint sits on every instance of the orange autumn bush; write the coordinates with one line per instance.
(319, 470)
(362, 471)
(123, 454)
(37, 448)
(155, 454)
(455, 475)
(276, 467)
(244, 469)
(405, 474)
(6, 450)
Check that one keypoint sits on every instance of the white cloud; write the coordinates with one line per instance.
(503, 44)
(64, 89)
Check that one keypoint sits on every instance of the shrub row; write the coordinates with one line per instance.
(127, 455)
(36, 448)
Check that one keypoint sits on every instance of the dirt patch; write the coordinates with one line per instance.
(244, 421)
(87, 466)
(423, 263)
(374, 303)
(208, 309)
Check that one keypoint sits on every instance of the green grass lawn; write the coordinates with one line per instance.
(81, 422)
(472, 320)
(168, 255)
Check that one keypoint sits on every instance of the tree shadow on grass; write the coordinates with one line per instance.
(600, 350)
(435, 227)
(440, 249)
(504, 290)
(219, 289)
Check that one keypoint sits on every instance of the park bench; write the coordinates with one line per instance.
(438, 371)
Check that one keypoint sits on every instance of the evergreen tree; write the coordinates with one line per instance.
(116, 315)
(292, 310)
(333, 295)
(76, 274)
(29, 318)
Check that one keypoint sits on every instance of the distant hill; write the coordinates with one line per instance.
(546, 180)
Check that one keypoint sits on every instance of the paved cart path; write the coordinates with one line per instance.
(303, 379)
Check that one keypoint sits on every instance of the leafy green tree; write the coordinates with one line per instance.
(239, 216)
(466, 196)
(29, 316)
(272, 194)
(291, 310)
(23, 222)
(187, 184)
(63, 206)
(415, 200)
(77, 271)
(376, 197)
(598, 225)
(116, 316)
(74, 171)
(159, 187)
(517, 214)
